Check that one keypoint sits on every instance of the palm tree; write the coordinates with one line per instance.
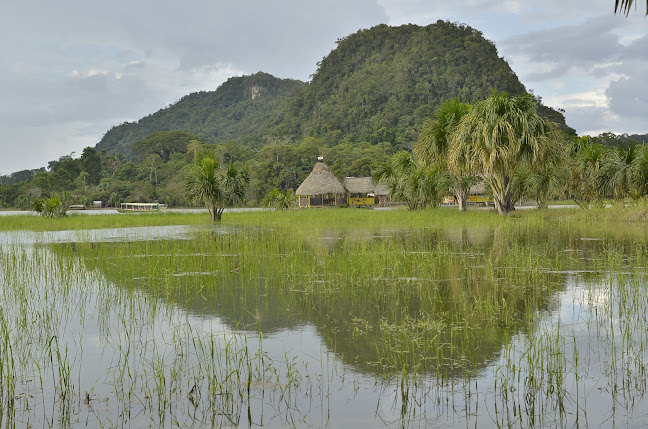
(216, 189)
(586, 158)
(497, 137)
(410, 181)
(279, 200)
(624, 6)
(616, 173)
(433, 145)
(639, 172)
(543, 182)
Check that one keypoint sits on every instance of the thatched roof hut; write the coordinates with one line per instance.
(321, 188)
(320, 181)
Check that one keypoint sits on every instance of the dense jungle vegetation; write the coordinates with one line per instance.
(368, 100)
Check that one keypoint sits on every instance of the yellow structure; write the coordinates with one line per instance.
(361, 191)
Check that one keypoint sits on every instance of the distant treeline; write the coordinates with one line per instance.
(157, 171)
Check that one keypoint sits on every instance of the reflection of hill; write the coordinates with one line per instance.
(435, 300)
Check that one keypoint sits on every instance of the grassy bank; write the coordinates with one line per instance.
(611, 217)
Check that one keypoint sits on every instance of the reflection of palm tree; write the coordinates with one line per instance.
(366, 299)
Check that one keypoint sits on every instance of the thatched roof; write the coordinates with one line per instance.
(320, 181)
(381, 190)
(359, 185)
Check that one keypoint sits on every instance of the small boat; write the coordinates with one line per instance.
(77, 207)
(138, 207)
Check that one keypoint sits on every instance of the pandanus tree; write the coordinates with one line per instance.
(585, 183)
(410, 181)
(499, 136)
(216, 188)
(281, 200)
(433, 146)
(616, 173)
(543, 182)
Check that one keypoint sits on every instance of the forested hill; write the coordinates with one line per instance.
(238, 107)
(376, 86)
(380, 84)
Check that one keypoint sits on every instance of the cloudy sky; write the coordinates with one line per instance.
(71, 69)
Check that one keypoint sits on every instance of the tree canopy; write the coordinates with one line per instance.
(499, 136)
(377, 86)
(216, 189)
(164, 143)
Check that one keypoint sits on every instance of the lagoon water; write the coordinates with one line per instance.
(240, 326)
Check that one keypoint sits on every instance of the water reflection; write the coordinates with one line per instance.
(434, 301)
(510, 326)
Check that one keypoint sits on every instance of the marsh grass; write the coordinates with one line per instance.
(534, 320)
(76, 221)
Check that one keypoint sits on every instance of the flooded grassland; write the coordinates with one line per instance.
(336, 318)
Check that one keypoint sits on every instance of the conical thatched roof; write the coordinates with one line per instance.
(359, 185)
(320, 181)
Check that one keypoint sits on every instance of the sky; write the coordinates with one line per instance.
(72, 69)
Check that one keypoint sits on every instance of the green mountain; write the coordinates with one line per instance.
(377, 86)
(380, 84)
(238, 108)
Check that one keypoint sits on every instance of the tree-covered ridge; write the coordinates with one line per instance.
(380, 84)
(377, 86)
(239, 107)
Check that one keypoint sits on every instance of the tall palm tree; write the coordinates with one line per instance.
(216, 189)
(497, 137)
(434, 142)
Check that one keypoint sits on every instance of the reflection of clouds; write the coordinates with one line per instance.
(598, 297)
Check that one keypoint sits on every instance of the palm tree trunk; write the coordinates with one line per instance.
(462, 199)
(213, 213)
